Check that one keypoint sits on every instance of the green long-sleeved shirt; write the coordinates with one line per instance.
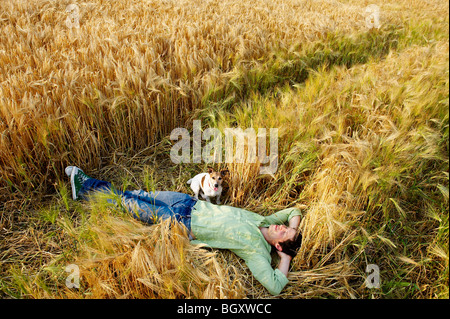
(237, 229)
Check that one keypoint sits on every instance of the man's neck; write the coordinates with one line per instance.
(264, 231)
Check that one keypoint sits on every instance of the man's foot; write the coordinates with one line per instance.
(77, 178)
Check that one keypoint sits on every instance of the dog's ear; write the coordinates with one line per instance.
(224, 172)
(210, 170)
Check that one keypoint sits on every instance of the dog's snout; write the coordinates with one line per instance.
(216, 185)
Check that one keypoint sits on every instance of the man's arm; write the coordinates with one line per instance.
(283, 216)
(285, 262)
(294, 222)
(273, 280)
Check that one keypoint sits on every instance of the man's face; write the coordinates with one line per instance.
(280, 233)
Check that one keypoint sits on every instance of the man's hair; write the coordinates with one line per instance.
(292, 246)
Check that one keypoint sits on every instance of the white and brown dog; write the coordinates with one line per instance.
(208, 184)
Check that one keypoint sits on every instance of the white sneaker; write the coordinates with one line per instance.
(77, 179)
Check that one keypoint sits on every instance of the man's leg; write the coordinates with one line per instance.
(161, 198)
(150, 207)
(82, 184)
(147, 207)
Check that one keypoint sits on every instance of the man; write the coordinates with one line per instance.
(247, 234)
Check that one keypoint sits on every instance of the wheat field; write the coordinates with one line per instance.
(362, 118)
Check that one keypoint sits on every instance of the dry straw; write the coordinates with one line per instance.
(129, 260)
(359, 147)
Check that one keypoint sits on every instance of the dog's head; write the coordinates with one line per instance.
(216, 177)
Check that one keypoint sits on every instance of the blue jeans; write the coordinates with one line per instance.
(148, 207)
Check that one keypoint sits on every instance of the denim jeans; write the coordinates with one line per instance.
(147, 207)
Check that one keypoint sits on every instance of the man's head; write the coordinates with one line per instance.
(284, 239)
